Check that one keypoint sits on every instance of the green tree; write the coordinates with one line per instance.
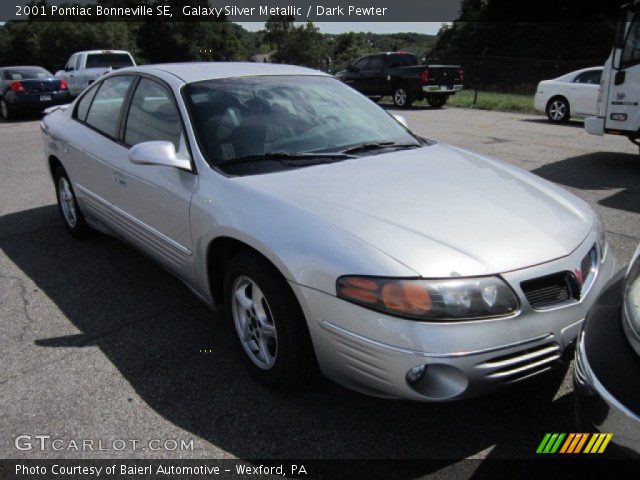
(278, 29)
(303, 45)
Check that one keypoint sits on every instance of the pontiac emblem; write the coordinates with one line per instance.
(579, 276)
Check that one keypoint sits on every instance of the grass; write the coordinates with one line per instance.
(504, 102)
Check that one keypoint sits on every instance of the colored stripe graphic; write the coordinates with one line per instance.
(574, 443)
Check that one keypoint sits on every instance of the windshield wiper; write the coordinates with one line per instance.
(379, 146)
(284, 156)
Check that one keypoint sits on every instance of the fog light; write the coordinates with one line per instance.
(619, 117)
(415, 374)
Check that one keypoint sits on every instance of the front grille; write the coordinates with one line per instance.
(550, 291)
(562, 287)
(522, 364)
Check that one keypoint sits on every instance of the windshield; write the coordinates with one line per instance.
(252, 116)
(106, 60)
(26, 73)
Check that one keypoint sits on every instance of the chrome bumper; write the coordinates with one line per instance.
(441, 89)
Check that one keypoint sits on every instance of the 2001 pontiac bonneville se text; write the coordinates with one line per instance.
(332, 235)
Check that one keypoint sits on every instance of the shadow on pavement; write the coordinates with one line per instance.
(544, 121)
(152, 329)
(600, 171)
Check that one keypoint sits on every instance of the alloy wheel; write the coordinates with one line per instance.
(400, 97)
(557, 110)
(254, 323)
(67, 202)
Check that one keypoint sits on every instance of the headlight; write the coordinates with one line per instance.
(601, 238)
(439, 300)
(631, 305)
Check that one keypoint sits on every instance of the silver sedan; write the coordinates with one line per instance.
(333, 236)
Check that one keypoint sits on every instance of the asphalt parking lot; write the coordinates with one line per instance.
(97, 342)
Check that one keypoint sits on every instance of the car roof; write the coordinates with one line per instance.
(22, 66)
(197, 71)
(104, 50)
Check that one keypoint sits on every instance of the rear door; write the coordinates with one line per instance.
(94, 148)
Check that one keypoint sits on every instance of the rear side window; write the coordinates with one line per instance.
(376, 63)
(84, 103)
(152, 116)
(106, 60)
(105, 109)
(401, 60)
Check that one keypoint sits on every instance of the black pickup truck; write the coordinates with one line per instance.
(400, 75)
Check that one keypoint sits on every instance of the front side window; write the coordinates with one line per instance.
(105, 108)
(152, 116)
(591, 78)
(631, 51)
(71, 63)
(240, 117)
(362, 64)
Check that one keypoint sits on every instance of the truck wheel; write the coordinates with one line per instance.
(402, 98)
(558, 110)
(437, 101)
(6, 113)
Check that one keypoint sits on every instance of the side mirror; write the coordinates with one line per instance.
(353, 69)
(68, 69)
(159, 153)
(401, 120)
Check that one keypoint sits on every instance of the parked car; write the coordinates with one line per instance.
(83, 68)
(400, 75)
(573, 94)
(29, 89)
(607, 367)
(330, 232)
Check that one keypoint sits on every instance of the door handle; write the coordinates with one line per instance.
(118, 180)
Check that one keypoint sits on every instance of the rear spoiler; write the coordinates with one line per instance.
(49, 110)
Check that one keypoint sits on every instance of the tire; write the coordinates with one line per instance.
(558, 110)
(437, 101)
(5, 111)
(402, 97)
(72, 217)
(272, 334)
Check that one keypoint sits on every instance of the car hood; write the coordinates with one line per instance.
(439, 210)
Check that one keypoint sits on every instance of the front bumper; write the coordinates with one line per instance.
(606, 374)
(371, 352)
(594, 125)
